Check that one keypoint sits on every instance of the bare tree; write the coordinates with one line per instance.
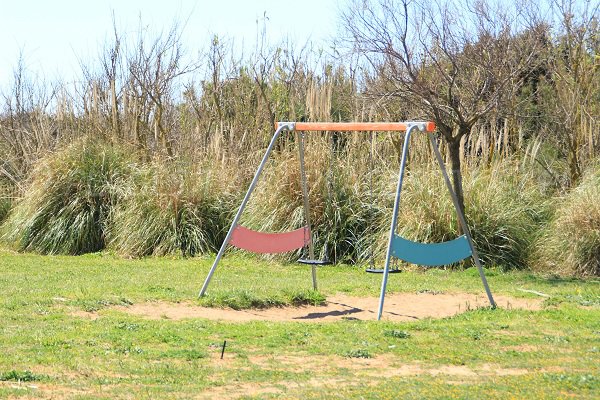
(574, 63)
(26, 126)
(154, 69)
(456, 62)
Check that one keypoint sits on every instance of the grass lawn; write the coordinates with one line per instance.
(47, 351)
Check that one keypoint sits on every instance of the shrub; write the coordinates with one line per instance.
(68, 200)
(571, 242)
(173, 209)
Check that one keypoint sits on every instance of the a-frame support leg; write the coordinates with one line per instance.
(388, 253)
(243, 205)
(461, 219)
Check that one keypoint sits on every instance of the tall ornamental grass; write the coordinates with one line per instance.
(174, 209)
(67, 204)
(570, 245)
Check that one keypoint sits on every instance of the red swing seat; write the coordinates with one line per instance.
(262, 242)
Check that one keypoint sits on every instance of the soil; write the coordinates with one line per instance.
(398, 307)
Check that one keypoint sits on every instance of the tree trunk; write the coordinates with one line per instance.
(454, 153)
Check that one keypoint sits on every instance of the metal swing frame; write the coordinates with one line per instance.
(429, 254)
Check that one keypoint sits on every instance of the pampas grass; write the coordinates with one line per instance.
(67, 204)
(173, 209)
(570, 245)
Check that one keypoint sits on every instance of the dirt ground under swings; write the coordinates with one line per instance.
(398, 307)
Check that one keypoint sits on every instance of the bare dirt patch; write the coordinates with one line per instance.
(398, 307)
(356, 371)
(383, 366)
(44, 390)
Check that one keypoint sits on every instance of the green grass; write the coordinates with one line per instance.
(47, 352)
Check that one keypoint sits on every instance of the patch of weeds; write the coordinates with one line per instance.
(553, 301)
(395, 333)
(584, 300)
(53, 342)
(298, 338)
(124, 302)
(129, 350)
(429, 291)
(307, 297)
(161, 289)
(358, 353)
(90, 305)
(188, 355)
(474, 334)
(556, 339)
(20, 376)
(240, 300)
(586, 381)
(126, 326)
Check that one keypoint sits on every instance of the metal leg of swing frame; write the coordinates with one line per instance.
(462, 220)
(311, 248)
(236, 219)
(388, 255)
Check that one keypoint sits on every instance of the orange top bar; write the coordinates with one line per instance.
(360, 126)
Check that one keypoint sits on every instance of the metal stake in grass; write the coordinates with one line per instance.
(223, 349)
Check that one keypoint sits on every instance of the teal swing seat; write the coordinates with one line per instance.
(431, 254)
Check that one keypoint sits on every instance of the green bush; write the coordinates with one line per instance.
(68, 200)
(571, 242)
(173, 209)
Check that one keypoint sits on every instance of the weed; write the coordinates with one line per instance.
(20, 376)
(395, 333)
(307, 297)
(358, 353)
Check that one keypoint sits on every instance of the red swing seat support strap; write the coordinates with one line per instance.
(267, 243)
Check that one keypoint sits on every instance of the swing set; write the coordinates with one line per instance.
(426, 254)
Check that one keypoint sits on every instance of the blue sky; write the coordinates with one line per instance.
(53, 35)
